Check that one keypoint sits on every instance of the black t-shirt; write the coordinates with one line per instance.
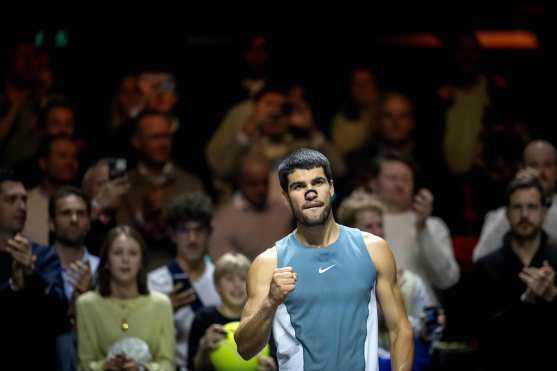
(204, 318)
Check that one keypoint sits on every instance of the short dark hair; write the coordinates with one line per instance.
(303, 158)
(525, 183)
(146, 113)
(64, 192)
(7, 175)
(387, 156)
(103, 273)
(46, 144)
(57, 101)
(190, 207)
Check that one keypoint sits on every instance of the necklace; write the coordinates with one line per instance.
(124, 313)
(124, 325)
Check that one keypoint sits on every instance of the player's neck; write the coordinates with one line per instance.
(320, 235)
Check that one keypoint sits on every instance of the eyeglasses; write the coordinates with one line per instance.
(200, 229)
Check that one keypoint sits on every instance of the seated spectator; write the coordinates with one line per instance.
(207, 328)
(105, 185)
(540, 160)
(30, 305)
(395, 131)
(122, 307)
(155, 181)
(188, 278)
(515, 286)
(420, 242)
(19, 135)
(277, 124)
(69, 221)
(59, 165)
(365, 212)
(357, 121)
(251, 220)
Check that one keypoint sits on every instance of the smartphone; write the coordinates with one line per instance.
(117, 167)
(186, 285)
(433, 328)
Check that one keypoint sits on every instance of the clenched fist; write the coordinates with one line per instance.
(284, 281)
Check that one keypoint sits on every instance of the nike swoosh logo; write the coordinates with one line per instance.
(323, 270)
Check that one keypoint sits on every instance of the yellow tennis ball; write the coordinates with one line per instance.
(226, 358)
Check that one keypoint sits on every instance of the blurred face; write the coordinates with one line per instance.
(309, 195)
(363, 88)
(129, 96)
(124, 260)
(254, 183)
(542, 158)
(396, 120)
(232, 289)
(13, 207)
(59, 121)
(61, 165)
(71, 221)
(301, 115)
(277, 122)
(24, 62)
(163, 101)
(154, 139)
(257, 54)
(99, 179)
(525, 213)
(394, 184)
(369, 220)
(191, 240)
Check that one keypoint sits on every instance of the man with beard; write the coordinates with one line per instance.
(326, 319)
(70, 222)
(29, 310)
(515, 286)
(188, 278)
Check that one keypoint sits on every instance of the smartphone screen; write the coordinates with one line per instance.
(117, 167)
(186, 285)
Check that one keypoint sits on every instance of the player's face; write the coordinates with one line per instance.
(309, 195)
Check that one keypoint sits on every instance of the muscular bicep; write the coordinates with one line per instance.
(259, 279)
(388, 290)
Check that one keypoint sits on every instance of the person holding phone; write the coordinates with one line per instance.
(105, 183)
(187, 279)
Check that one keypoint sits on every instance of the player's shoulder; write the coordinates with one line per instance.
(266, 259)
(373, 241)
(378, 248)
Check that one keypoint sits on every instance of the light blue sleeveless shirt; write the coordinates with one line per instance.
(329, 321)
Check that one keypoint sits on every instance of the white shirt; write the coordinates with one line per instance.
(161, 280)
(36, 226)
(496, 225)
(93, 262)
(428, 253)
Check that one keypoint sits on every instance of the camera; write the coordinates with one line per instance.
(117, 167)
(433, 328)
